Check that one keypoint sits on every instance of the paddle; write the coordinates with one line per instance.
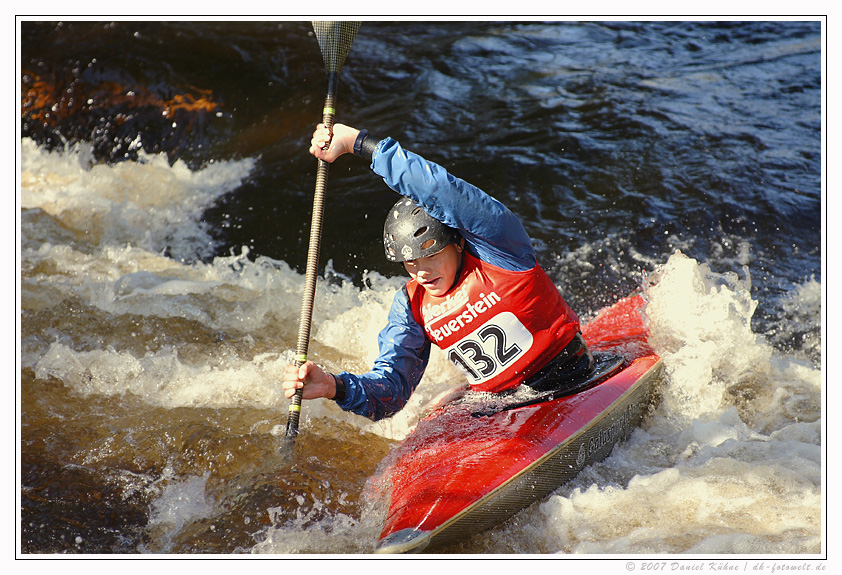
(335, 40)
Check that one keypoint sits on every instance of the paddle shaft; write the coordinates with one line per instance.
(335, 40)
(312, 270)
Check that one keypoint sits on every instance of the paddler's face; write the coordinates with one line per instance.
(436, 273)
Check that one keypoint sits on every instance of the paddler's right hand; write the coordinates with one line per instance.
(314, 380)
(341, 140)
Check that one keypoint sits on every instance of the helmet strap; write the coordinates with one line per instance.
(460, 245)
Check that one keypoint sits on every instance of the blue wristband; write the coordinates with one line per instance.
(358, 144)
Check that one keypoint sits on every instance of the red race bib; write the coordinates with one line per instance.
(497, 326)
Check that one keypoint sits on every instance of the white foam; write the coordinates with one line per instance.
(148, 203)
(731, 460)
(179, 503)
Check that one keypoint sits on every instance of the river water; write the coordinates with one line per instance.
(165, 195)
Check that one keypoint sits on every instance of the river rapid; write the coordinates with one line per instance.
(163, 219)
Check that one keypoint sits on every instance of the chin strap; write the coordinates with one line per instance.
(461, 245)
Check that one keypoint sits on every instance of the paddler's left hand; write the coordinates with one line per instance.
(314, 380)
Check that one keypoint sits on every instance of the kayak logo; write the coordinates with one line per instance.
(607, 435)
(611, 434)
(491, 349)
(582, 456)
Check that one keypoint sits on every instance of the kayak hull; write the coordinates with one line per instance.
(466, 468)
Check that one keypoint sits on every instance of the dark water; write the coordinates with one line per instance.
(618, 143)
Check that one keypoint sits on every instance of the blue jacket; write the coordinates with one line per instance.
(492, 233)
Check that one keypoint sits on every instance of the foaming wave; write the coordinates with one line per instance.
(729, 462)
(149, 203)
(701, 325)
(215, 334)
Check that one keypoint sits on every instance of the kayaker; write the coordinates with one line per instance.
(476, 290)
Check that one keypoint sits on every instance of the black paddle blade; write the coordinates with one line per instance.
(335, 39)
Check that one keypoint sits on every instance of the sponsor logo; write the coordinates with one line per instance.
(433, 313)
(440, 321)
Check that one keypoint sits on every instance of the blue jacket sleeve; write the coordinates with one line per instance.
(492, 232)
(404, 353)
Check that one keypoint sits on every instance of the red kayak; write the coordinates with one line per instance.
(478, 458)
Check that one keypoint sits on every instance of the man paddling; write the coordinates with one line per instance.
(476, 290)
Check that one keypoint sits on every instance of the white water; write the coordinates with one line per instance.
(729, 463)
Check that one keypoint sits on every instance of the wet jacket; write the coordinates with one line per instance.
(493, 235)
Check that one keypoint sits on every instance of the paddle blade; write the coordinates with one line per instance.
(335, 39)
